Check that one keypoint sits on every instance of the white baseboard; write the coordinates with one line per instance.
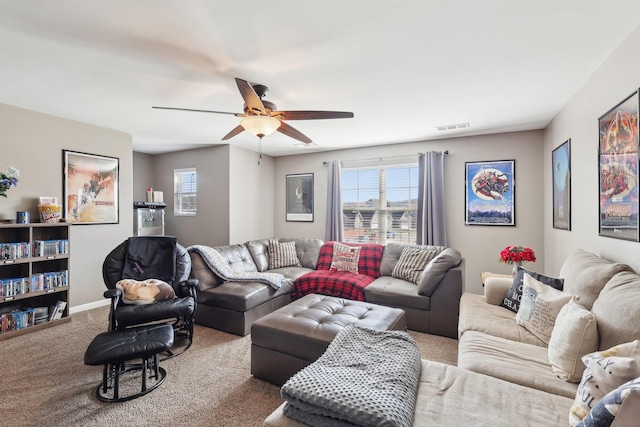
(89, 306)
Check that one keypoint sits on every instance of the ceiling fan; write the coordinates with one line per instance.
(262, 118)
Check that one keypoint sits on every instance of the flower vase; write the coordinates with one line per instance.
(514, 270)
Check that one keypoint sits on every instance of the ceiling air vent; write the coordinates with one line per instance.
(453, 127)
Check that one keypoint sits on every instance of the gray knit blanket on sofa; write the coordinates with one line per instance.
(365, 378)
(219, 264)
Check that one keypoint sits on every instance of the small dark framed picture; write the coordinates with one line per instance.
(490, 192)
(561, 163)
(300, 197)
(618, 170)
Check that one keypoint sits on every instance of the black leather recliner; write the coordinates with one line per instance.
(153, 257)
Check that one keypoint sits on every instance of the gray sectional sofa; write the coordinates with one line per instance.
(233, 306)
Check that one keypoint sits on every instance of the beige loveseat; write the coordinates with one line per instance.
(504, 377)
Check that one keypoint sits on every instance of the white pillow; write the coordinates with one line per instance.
(574, 335)
(539, 307)
(605, 371)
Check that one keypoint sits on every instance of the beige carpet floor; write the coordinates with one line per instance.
(44, 382)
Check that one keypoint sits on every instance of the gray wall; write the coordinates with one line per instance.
(479, 245)
(143, 175)
(33, 143)
(614, 81)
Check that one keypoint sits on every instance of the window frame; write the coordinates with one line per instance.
(178, 203)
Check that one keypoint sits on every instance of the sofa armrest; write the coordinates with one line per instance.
(445, 304)
(629, 411)
(495, 289)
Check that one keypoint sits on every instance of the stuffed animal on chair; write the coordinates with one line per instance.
(145, 292)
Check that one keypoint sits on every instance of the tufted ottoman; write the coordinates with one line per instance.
(290, 338)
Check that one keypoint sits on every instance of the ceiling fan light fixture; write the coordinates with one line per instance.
(260, 126)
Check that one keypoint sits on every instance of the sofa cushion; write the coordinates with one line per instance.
(282, 254)
(512, 361)
(345, 258)
(585, 274)
(241, 296)
(387, 290)
(605, 371)
(308, 250)
(539, 307)
(437, 268)
(617, 310)
(393, 250)
(574, 335)
(411, 264)
(369, 262)
(474, 315)
(238, 258)
(512, 299)
(259, 250)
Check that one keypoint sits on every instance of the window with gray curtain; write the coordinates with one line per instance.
(379, 203)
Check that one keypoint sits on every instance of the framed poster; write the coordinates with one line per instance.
(561, 173)
(490, 192)
(618, 170)
(300, 197)
(90, 188)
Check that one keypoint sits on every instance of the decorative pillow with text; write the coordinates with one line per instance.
(345, 258)
(539, 307)
(605, 371)
(514, 294)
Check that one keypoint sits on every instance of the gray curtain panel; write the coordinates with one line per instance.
(335, 225)
(431, 218)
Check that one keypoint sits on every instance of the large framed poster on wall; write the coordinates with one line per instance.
(561, 173)
(90, 188)
(490, 192)
(618, 170)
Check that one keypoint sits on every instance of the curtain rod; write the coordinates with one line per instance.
(446, 152)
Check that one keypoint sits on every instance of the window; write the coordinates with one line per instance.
(184, 191)
(380, 204)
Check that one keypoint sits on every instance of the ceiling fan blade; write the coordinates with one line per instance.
(236, 130)
(251, 98)
(293, 133)
(197, 111)
(313, 115)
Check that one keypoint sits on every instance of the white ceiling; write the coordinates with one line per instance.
(402, 67)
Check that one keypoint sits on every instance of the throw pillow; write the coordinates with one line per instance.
(345, 258)
(514, 294)
(574, 335)
(437, 268)
(608, 408)
(145, 292)
(539, 307)
(282, 254)
(605, 371)
(411, 263)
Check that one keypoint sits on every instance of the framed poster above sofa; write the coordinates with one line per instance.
(490, 193)
(618, 170)
(300, 197)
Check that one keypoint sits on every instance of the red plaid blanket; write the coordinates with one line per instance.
(341, 284)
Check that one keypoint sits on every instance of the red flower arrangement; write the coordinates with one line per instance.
(517, 255)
